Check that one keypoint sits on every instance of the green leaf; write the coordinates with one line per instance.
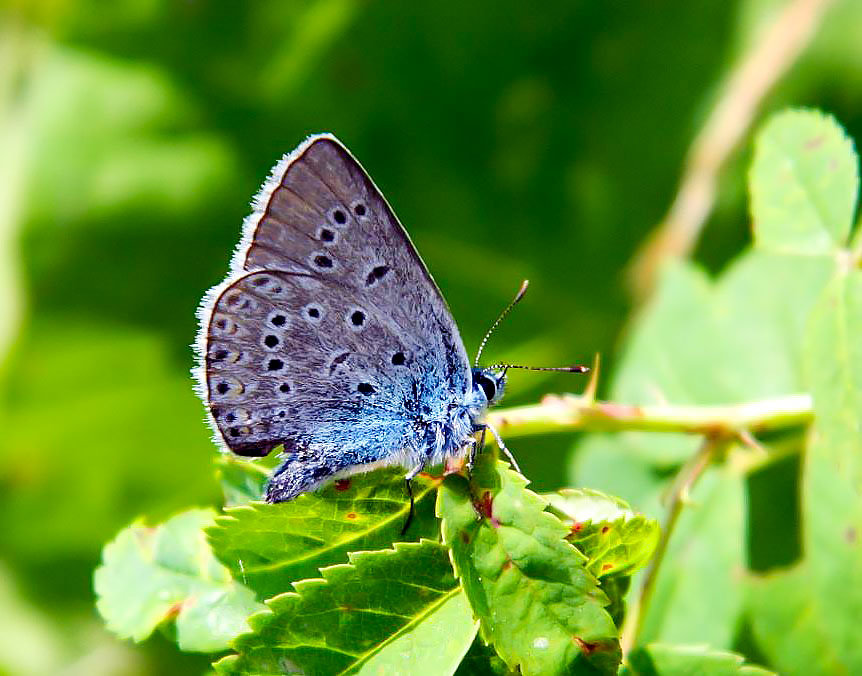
(268, 547)
(750, 323)
(615, 539)
(538, 605)
(804, 183)
(366, 612)
(243, 480)
(154, 575)
(436, 646)
(785, 617)
(832, 469)
(660, 659)
(482, 660)
(697, 595)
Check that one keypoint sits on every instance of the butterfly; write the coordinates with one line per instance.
(330, 339)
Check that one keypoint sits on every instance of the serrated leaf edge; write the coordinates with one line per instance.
(255, 620)
(397, 516)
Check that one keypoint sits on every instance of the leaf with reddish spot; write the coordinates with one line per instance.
(384, 612)
(614, 538)
(268, 547)
(529, 588)
(150, 576)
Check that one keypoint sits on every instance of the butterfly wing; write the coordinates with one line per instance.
(329, 336)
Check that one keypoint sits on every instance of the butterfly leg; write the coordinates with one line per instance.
(503, 448)
(409, 481)
(477, 446)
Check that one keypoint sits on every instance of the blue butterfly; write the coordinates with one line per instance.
(330, 339)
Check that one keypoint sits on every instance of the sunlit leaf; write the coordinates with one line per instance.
(269, 546)
(697, 595)
(615, 539)
(360, 615)
(150, 576)
(538, 605)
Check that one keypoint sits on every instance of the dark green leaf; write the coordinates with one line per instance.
(385, 610)
(268, 547)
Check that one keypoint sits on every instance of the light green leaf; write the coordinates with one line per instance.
(154, 575)
(750, 324)
(697, 594)
(268, 547)
(436, 646)
(660, 659)
(615, 539)
(243, 480)
(832, 469)
(360, 614)
(538, 605)
(785, 618)
(804, 183)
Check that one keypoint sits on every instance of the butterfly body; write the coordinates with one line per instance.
(329, 337)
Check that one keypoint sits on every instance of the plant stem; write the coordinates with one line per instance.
(719, 425)
(678, 497)
(769, 58)
(560, 413)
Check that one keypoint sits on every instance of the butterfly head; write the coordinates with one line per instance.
(489, 384)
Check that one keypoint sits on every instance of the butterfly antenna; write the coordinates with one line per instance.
(515, 301)
(577, 368)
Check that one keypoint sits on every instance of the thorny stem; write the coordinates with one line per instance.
(720, 426)
(770, 56)
(560, 413)
(678, 497)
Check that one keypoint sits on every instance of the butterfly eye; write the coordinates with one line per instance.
(489, 387)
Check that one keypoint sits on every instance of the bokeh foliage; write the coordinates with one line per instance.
(512, 142)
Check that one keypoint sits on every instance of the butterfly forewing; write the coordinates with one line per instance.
(329, 334)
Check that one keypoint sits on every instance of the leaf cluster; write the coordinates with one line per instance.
(493, 578)
(765, 558)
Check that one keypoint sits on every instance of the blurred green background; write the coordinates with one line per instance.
(512, 142)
